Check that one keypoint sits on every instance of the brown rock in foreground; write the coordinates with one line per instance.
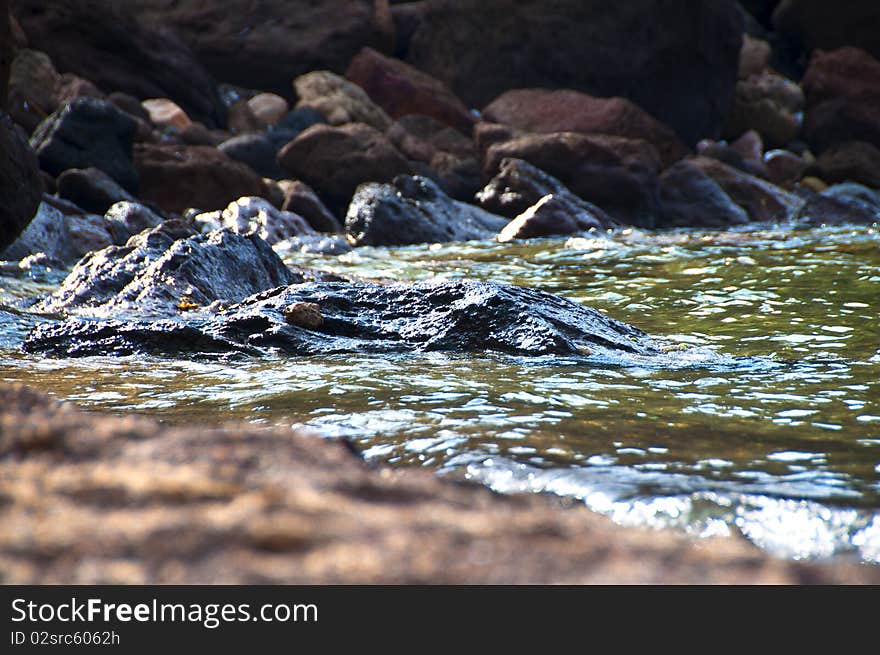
(96, 499)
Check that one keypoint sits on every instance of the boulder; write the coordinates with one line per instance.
(411, 210)
(175, 178)
(826, 209)
(166, 113)
(551, 216)
(754, 57)
(335, 160)
(820, 24)
(401, 90)
(256, 216)
(33, 80)
(107, 43)
(258, 150)
(546, 110)
(339, 100)
(125, 219)
(87, 233)
(769, 104)
(617, 174)
(6, 52)
(784, 168)
(677, 61)
(48, 233)
(20, 183)
(92, 189)
(690, 198)
(70, 87)
(268, 108)
(88, 133)
(856, 195)
(851, 161)
(300, 199)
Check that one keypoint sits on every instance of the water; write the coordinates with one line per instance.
(783, 447)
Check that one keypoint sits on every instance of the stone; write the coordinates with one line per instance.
(784, 168)
(335, 160)
(166, 113)
(817, 24)
(727, 153)
(7, 48)
(413, 209)
(822, 209)
(268, 108)
(110, 45)
(47, 232)
(546, 110)
(258, 216)
(196, 134)
(677, 61)
(242, 120)
(175, 178)
(754, 57)
(769, 104)
(618, 175)
(550, 217)
(92, 189)
(125, 219)
(20, 185)
(257, 150)
(87, 233)
(88, 133)
(70, 87)
(33, 80)
(690, 198)
(856, 195)
(851, 161)
(300, 199)
(401, 90)
(304, 314)
(129, 104)
(339, 100)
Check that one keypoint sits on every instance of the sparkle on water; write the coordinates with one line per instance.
(784, 448)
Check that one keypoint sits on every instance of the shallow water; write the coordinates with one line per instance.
(783, 446)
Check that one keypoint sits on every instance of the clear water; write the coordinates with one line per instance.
(783, 447)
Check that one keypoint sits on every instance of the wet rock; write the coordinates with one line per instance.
(762, 200)
(852, 161)
(856, 195)
(545, 110)
(551, 216)
(47, 232)
(411, 210)
(125, 219)
(769, 104)
(335, 160)
(339, 100)
(268, 108)
(167, 270)
(618, 175)
(175, 178)
(257, 216)
(826, 209)
(690, 198)
(166, 113)
(842, 88)
(681, 68)
(20, 183)
(88, 133)
(819, 24)
(109, 44)
(92, 189)
(401, 90)
(300, 199)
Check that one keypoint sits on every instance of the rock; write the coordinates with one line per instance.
(178, 177)
(449, 157)
(88, 133)
(339, 100)
(257, 216)
(125, 219)
(856, 195)
(197, 134)
(259, 151)
(727, 153)
(166, 113)
(129, 104)
(87, 233)
(762, 200)
(268, 108)
(363, 317)
(550, 217)
(842, 89)
(300, 199)
(32, 84)
(817, 24)
(304, 314)
(6, 53)
(852, 161)
(296, 121)
(47, 232)
(546, 110)
(335, 160)
(754, 57)
(157, 271)
(769, 104)
(784, 168)
(676, 61)
(242, 120)
(91, 188)
(110, 45)
(411, 210)
(20, 183)
(618, 175)
(519, 186)
(70, 87)
(690, 198)
(824, 209)
(401, 90)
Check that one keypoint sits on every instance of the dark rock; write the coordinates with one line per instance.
(70, 87)
(856, 195)
(296, 121)
(129, 104)
(754, 57)
(840, 207)
(257, 216)
(852, 161)
(108, 44)
(457, 316)
(678, 61)
(257, 150)
(551, 216)
(32, 84)
(335, 160)
(744, 153)
(414, 210)
(92, 189)
(175, 178)
(88, 233)
(769, 104)
(402, 90)
(46, 233)
(20, 183)
(784, 168)
(302, 200)
(125, 219)
(690, 198)
(545, 110)
(5, 53)
(196, 134)
(617, 174)
(827, 25)
(88, 133)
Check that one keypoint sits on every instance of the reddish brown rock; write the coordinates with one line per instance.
(300, 199)
(852, 161)
(690, 198)
(618, 175)
(335, 160)
(545, 110)
(402, 90)
(179, 177)
(784, 168)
